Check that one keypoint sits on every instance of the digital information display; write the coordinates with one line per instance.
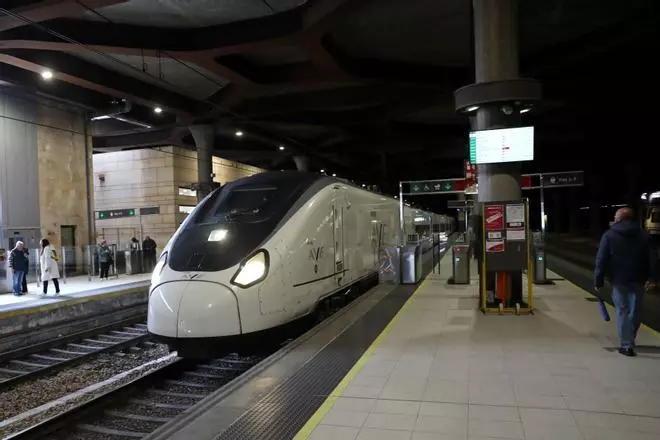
(503, 145)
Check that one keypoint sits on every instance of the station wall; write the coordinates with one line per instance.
(153, 180)
(42, 173)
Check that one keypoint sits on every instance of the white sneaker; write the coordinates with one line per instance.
(57, 293)
(42, 294)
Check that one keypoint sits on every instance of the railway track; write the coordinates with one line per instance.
(140, 407)
(46, 358)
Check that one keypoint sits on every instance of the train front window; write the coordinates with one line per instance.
(247, 201)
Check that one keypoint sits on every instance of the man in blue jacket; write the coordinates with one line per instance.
(624, 255)
(19, 266)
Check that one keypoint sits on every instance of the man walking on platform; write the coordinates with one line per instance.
(624, 255)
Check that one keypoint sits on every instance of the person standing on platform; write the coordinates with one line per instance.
(149, 252)
(19, 267)
(104, 259)
(624, 256)
(27, 259)
(49, 267)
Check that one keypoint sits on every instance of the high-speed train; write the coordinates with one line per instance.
(263, 251)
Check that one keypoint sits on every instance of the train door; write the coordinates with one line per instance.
(338, 208)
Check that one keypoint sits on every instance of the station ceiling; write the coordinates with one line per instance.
(363, 87)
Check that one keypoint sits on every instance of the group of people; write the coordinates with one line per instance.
(19, 262)
(105, 255)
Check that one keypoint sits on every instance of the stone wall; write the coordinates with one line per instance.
(133, 180)
(62, 172)
(151, 178)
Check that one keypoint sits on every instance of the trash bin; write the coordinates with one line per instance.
(460, 254)
(133, 260)
(411, 264)
(539, 263)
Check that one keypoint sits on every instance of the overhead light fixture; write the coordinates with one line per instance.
(322, 171)
(525, 110)
(472, 108)
(281, 147)
(334, 175)
(238, 133)
(158, 110)
(364, 186)
(100, 118)
(47, 74)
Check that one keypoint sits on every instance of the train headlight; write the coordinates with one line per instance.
(162, 261)
(218, 235)
(252, 271)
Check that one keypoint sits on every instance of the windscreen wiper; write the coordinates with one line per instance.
(234, 213)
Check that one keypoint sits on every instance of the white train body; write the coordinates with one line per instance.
(265, 250)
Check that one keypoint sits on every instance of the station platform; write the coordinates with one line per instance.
(81, 300)
(423, 363)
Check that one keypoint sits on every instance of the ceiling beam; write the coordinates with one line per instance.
(104, 82)
(50, 10)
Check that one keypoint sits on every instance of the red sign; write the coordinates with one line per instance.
(526, 182)
(494, 215)
(494, 246)
(470, 173)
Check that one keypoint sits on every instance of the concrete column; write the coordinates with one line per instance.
(302, 163)
(496, 59)
(204, 136)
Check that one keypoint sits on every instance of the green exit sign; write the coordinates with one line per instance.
(115, 213)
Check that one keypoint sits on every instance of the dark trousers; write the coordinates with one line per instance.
(25, 283)
(149, 261)
(56, 283)
(104, 270)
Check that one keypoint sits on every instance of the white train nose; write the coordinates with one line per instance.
(193, 309)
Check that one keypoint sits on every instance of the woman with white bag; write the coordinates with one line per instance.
(49, 269)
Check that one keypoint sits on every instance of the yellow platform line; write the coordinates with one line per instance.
(69, 302)
(325, 407)
(611, 308)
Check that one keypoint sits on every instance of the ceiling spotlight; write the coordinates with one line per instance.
(364, 186)
(323, 171)
(158, 110)
(281, 147)
(239, 133)
(525, 110)
(472, 108)
(47, 74)
(334, 175)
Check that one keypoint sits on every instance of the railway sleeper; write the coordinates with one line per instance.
(179, 406)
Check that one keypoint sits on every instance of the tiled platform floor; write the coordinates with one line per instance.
(445, 371)
(75, 287)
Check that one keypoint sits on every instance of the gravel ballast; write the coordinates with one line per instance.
(33, 394)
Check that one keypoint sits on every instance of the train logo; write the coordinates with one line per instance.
(315, 255)
(190, 276)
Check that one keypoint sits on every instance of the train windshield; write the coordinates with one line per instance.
(249, 203)
(245, 204)
(245, 211)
